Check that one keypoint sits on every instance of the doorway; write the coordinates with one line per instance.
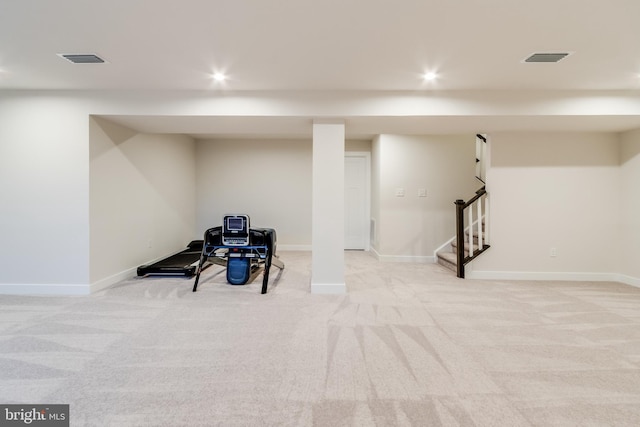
(357, 200)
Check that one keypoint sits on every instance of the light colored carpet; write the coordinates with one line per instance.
(408, 345)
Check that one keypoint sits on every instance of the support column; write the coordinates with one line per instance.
(327, 211)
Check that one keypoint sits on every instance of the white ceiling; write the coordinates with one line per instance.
(311, 45)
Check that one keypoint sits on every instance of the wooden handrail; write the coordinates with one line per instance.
(481, 192)
(461, 205)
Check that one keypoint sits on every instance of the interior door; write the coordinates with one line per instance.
(356, 202)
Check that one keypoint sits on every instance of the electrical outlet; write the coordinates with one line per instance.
(553, 252)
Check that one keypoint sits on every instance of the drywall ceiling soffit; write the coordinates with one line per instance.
(203, 127)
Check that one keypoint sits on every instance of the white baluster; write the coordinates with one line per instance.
(470, 230)
(486, 219)
(480, 245)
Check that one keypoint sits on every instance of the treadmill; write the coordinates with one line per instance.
(244, 251)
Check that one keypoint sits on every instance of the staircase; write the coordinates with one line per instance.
(472, 233)
(472, 219)
(448, 256)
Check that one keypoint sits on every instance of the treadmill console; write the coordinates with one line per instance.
(235, 230)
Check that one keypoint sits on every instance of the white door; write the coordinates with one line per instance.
(356, 201)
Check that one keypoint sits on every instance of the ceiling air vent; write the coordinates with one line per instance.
(546, 57)
(83, 58)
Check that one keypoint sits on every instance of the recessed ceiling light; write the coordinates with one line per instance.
(430, 75)
(219, 77)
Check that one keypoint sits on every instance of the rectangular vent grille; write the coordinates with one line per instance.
(546, 57)
(86, 58)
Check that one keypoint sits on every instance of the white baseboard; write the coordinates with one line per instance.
(328, 288)
(52, 289)
(294, 248)
(403, 258)
(543, 275)
(113, 279)
(628, 280)
(48, 289)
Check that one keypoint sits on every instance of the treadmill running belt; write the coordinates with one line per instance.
(181, 259)
(177, 264)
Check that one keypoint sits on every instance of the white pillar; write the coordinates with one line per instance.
(327, 211)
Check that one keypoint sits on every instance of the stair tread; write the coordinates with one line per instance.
(448, 256)
(447, 260)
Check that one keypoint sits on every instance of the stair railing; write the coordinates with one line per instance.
(477, 224)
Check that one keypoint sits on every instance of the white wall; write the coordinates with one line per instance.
(142, 198)
(44, 154)
(270, 180)
(412, 227)
(552, 190)
(44, 194)
(358, 145)
(630, 206)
